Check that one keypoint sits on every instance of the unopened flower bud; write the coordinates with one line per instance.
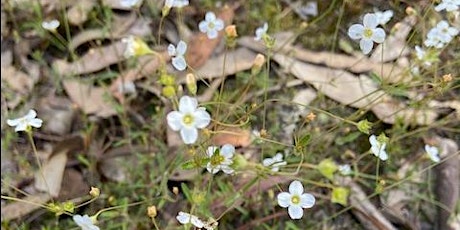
(230, 31)
(191, 83)
(257, 64)
(169, 91)
(94, 192)
(152, 211)
(410, 11)
(175, 190)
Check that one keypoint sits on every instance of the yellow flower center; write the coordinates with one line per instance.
(217, 159)
(211, 25)
(295, 199)
(368, 33)
(188, 119)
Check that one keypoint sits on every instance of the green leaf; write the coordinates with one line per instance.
(376, 78)
(304, 140)
(189, 165)
(347, 138)
(327, 168)
(340, 195)
(186, 191)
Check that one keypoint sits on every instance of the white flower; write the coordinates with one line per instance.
(176, 3)
(186, 218)
(23, 123)
(261, 31)
(421, 55)
(440, 35)
(211, 25)
(84, 222)
(188, 119)
(367, 33)
(448, 5)
(345, 169)
(129, 3)
(432, 152)
(295, 200)
(51, 25)
(274, 162)
(178, 60)
(126, 87)
(130, 49)
(377, 148)
(383, 17)
(220, 159)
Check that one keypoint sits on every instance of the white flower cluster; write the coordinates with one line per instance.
(440, 35)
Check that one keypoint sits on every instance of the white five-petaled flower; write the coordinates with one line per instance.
(275, 162)
(345, 169)
(220, 159)
(261, 31)
(448, 5)
(85, 222)
(177, 54)
(186, 218)
(51, 25)
(23, 123)
(367, 33)
(383, 17)
(440, 35)
(129, 3)
(211, 25)
(295, 200)
(433, 153)
(176, 3)
(377, 148)
(188, 119)
(131, 45)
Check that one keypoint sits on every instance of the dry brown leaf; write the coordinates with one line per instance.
(51, 178)
(359, 92)
(123, 26)
(116, 4)
(200, 47)
(73, 185)
(17, 80)
(90, 99)
(235, 136)
(95, 60)
(390, 72)
(235, 61)
(395, 45)
(78, 13)
(19, 209)
(57, 113)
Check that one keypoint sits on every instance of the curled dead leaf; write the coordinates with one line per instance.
(235, 136)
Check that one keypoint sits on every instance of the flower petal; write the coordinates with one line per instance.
(181, 48)
(378, 35)
(370, 21)
(187, 104)
(13, 122)
(210, 17)
(174, 120)
(211, 150)
(189, 135)
(37, 123)
(212, 34)
(219, 24)
(203, 26)
(171, 50)
(179, 63)
(22, 126)
(296, 187)
(202, 118)
(227, 169)
(227, 151)
(307, 200)
(284, 199)
(295, 212)
(373, 140)
(366, 45)
(31, 114)
(356, 31)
